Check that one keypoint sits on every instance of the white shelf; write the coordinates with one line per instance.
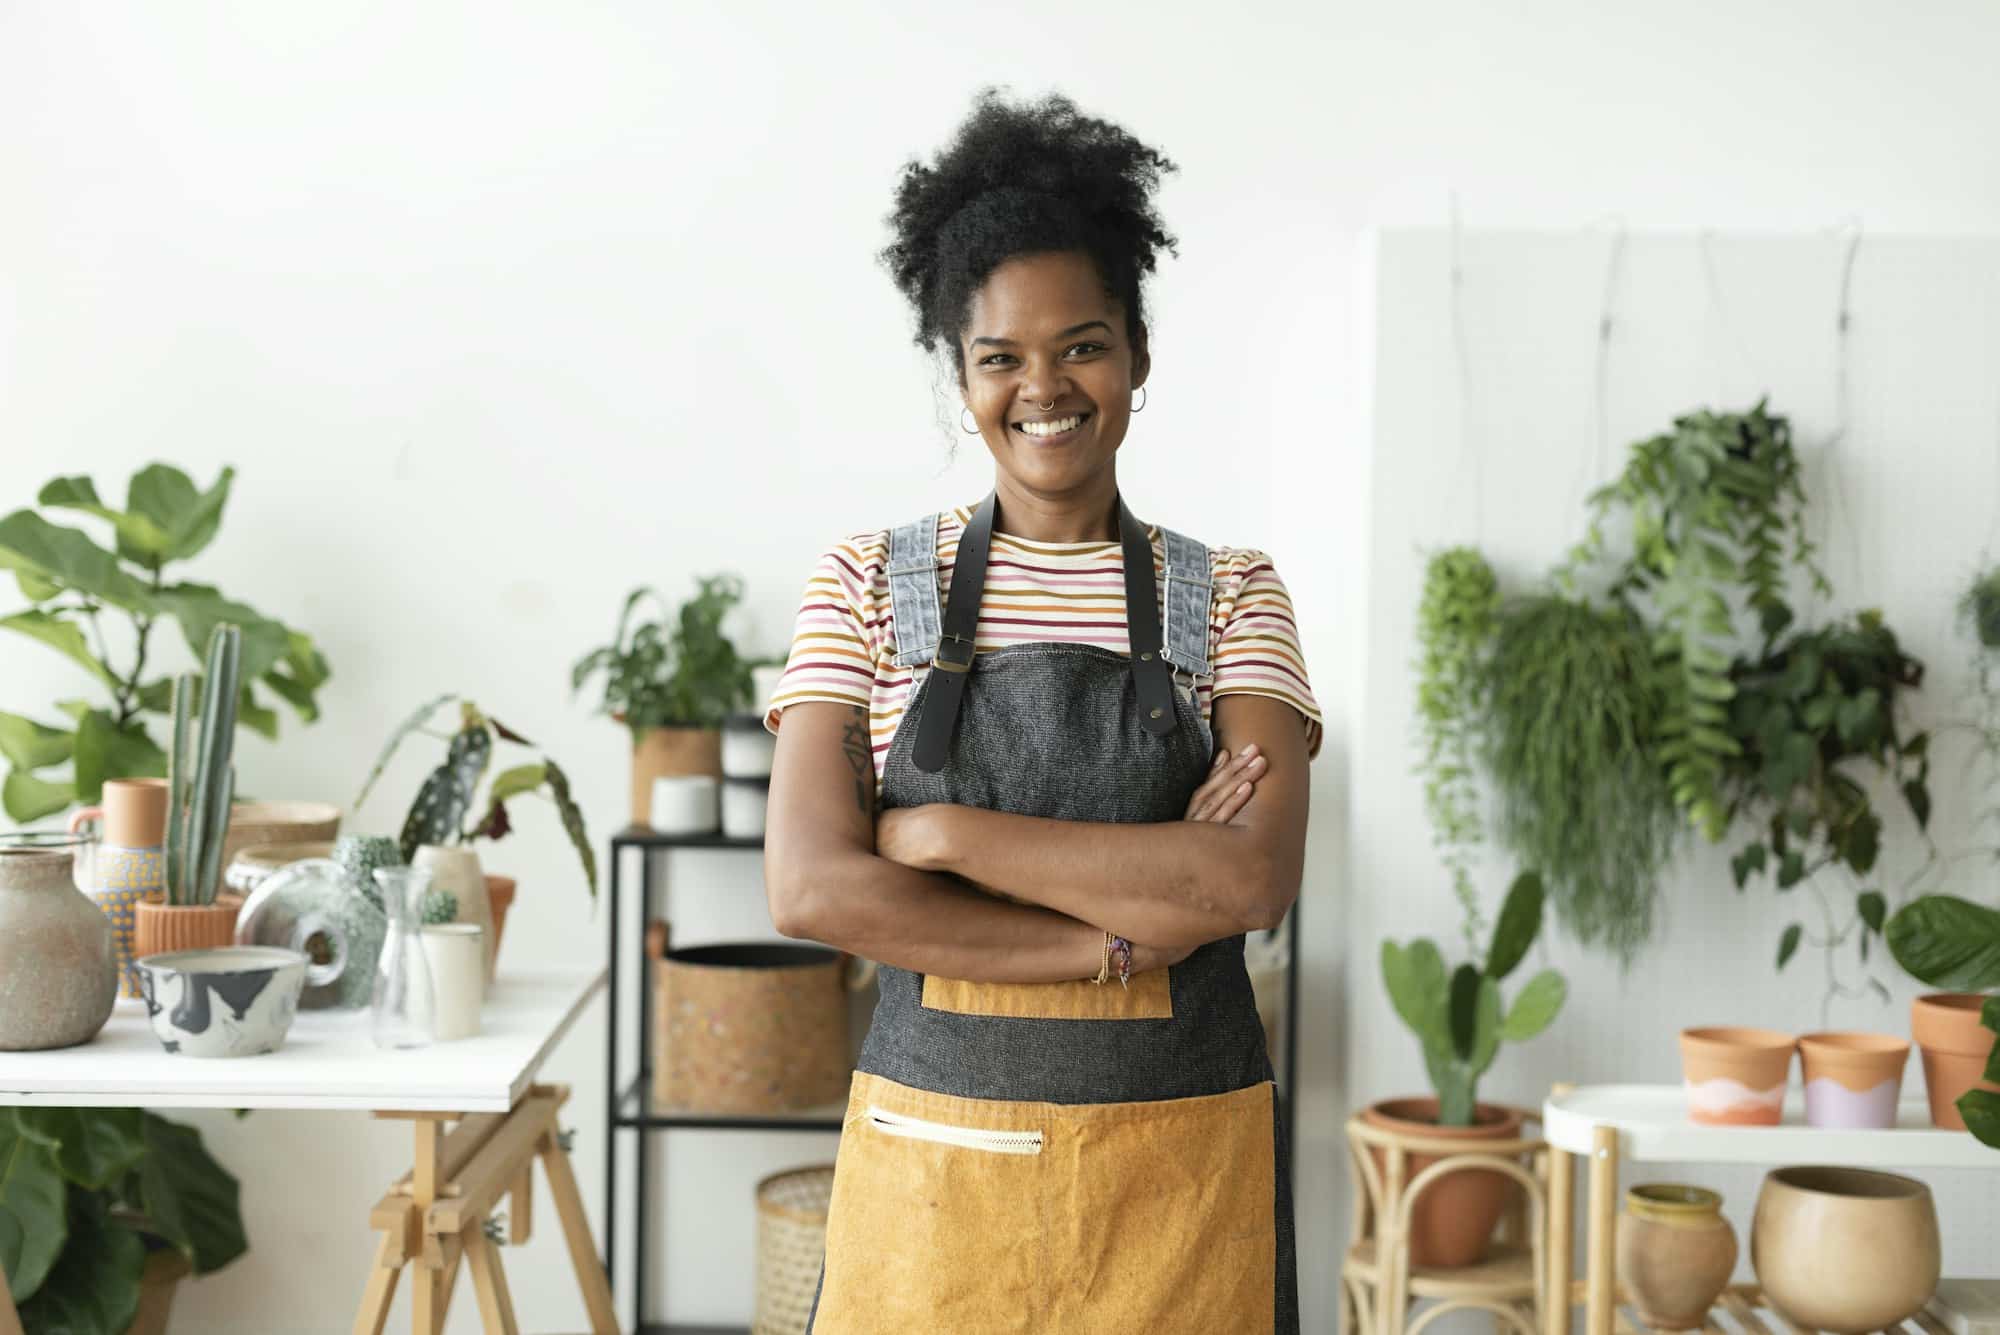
(1653, 1127)
(328, 1061)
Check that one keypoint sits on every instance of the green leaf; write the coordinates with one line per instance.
(1948, 942)
(28, 798)
(1790, 764)
(1989, 1016)
(33, 1207)
(190, 1199)
(1536, 1007)
(404, 729)
(1464, 1012)
(1791, 870)
(1918, 795)
(1415, 979)
(1751, 859)
(1981, 1110)
(200, 609)
(572, 822)
(262, 721)
(1788, 944)
(1863, 842)
(30, 745)
(438, 813)
(64, 636)
(139, 538)
(94, 1287)
(513, 782)
(1859, 718)
(68, 556)
(1485, 1026)
(106, 751)
(94, 1146)
(34, 587)
(1519, 923)
(189, 519)
(1873, 909)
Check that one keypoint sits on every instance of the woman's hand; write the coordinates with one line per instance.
(906, 835)
(1230, 782)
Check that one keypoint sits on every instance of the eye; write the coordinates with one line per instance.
(1083, 349)
(996, 359)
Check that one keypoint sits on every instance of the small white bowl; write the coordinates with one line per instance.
(236, 1001)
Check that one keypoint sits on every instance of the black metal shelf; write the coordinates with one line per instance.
(638, 836)
(636, 1109)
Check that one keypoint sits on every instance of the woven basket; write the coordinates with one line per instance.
(753, 1027)
(791, 1242)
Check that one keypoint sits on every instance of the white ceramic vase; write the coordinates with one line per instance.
(457, 955)
(457, 871)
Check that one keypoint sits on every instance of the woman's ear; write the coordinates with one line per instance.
(1142, 357)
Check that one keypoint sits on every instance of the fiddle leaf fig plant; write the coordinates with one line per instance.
(449, 793)
(79, 591)
(1458, 1016)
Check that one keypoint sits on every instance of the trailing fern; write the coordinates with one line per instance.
(1455, 626)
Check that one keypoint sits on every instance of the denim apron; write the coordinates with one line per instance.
(1060, 1157)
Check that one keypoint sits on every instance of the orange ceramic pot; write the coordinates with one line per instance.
(1736, 1077)
(1955, 1047)
(1452, 1222)
(499, 898)
(158, 927)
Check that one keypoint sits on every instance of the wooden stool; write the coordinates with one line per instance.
(1378, 1281)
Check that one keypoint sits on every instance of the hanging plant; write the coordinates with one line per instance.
(1716, 512)
(1455, 624)
(1574, 710)
(1980, 607)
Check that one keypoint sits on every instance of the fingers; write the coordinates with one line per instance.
(1229, 785)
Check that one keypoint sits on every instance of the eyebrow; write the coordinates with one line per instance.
(1070, 332)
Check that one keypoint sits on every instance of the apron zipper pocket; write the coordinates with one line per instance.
(964, 1137)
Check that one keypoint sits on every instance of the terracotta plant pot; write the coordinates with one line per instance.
(1675, 1254)
(1852, 1080)
(1452, 1223)
(1846, 1250)
(1736, 1077)
(159, 927)
(659, 752)
(499, 898)
(1946, 1026)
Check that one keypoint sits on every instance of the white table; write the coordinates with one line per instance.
(435, 1216)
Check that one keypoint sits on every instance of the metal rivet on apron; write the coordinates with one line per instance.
(1146, 657)
(1156, 713)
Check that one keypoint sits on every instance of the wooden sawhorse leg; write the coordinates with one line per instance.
(436, 1216)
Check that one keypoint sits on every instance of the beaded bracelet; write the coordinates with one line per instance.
(1118, 951)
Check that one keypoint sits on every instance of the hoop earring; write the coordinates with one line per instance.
(1140, 406)
(964, 413)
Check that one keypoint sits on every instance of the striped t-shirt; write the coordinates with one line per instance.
(843, 643)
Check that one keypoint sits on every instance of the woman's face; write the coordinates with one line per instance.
(1042, 330)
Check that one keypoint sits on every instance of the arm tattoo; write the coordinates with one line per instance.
(855, 743)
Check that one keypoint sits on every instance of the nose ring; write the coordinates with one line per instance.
(1047, 406)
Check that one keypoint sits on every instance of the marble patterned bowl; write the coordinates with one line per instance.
(237, 1001)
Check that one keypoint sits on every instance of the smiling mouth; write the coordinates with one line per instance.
(1055, 430)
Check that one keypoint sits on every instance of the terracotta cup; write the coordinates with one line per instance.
(133, 814)
(1736, 1077)
(1955, 1046)
(1852, 1080)
(1675, 1253)
(1846, 1250)
(159, 927)
(1452, 1223)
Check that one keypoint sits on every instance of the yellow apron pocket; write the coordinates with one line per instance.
(937, 1220)
(1146, 997)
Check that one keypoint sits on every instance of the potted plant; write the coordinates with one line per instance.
(105, 1209)
(1456, 619)
(436, 833)
(74, 586)
(1459, 1018)
(1952, 943)
(201, 784)
(671, 685)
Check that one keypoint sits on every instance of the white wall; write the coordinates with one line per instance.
(502, 309)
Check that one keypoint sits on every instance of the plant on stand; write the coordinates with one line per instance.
(74, 586)
(671, 684)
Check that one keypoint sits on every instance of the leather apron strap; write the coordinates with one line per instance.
(952, 664)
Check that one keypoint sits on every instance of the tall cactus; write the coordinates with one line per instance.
(201, 780)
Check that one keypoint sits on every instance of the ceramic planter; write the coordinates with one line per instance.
(743, 805)
(1845, 1250)
(687, 804)
(1852, 1080)
(1736, 1077)
(456, 957)
(457, 872)
(1955, 1045)
(1452, 1223)
(312, 907)
(1675, 1254)
(58, 966)
(747, 749)
(130, 862)
(235, 1002)
(499, 898)
(659, 752)
(159, 927)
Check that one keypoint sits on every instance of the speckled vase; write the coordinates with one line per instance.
(131, 862)
(58, 975)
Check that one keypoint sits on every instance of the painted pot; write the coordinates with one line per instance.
(499, 898)
(660, 752)
(129, 864)
(58, 970)
(235, 1002)
(456, 871)
(1736, 1077)
(1452, 1223)
(1955, 1045)
(1675, 1253)
(1852, 1080)
(1846, 1250)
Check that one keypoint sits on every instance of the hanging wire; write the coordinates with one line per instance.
(1469, 454)
(1597, 459)
(1839, 515)
(1993, 524)
(1737, 346)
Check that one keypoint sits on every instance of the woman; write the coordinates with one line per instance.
(1047, 765)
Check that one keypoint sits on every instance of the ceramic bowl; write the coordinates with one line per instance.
(237, 1001)
(1846, 1250)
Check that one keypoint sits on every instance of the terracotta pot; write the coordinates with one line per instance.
(499, 898)
(134, 813)
(1846, 1250)
(1452, 1222)
(1675, 1254)
(1852, 1080)
(1736, 1077)
(252, 823)
(1955, 1046)
(164, 1270)
(457, 871)
(658, 752)
(159, 927)
(58, 969)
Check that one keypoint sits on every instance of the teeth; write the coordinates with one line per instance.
(1055, 428)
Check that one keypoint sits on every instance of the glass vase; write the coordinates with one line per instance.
(404, 1003)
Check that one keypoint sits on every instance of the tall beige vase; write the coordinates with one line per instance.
(457, 871)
